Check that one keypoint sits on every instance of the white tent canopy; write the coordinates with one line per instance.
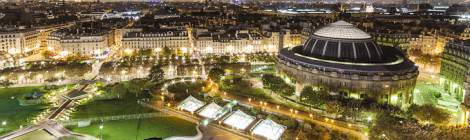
(211, 111)
(269, 129)
(239, 120)
(191, 104)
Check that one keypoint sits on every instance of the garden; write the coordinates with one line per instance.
(240, 86)
(120, 99)
(12, 113)
(116, 99)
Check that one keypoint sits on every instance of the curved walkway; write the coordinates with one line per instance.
(198, 136)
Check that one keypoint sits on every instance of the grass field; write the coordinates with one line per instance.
(12, 112)
(161, 127)
(426, 94)
(38, 135)
(124, 104)
(101, 108)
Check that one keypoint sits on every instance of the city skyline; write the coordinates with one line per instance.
(234, 70)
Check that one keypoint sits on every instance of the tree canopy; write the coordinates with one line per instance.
(430, 114)
(277, 85)
(216, 74)
(156, 73)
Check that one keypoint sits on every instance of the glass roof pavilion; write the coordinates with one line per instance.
(239, 120)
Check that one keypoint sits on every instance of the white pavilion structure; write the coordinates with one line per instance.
(239, 120)
(211, 111)
(269, 129)
(190, 104)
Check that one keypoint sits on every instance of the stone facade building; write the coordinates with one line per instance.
(346, 61)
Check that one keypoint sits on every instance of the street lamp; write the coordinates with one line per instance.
(101, 133)
(369, 118)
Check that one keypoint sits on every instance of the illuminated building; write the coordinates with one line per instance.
(157, 39)
(347, 61)
(401, 41)
(243, 42)
(429, 44)
(19, 42)
(190, 104)
(87, 45)
(203, 42)
(237, 43)
(455, 70)
(6, 61)
(269, 129)
(239, 120)
(465, 34)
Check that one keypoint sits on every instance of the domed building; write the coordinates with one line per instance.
(346, 61)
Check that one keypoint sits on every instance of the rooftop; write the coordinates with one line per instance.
(211, 111)
(342, 30)
(269, 129)
(239, 120)
(191, 104)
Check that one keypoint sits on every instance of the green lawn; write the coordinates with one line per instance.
(12, 112)
(242, 87)
(426, 93)
(123, 101)
(140, 129)
(100, 108)
(38, 135)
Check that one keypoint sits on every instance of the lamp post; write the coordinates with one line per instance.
(101, 129)
(4, 123)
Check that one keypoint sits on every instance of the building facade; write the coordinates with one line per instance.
(242, 42)
(430, 44)
(91, 45)
(401, 41)
(20, 43)
(346, 61)
(203, 42)
(137, 39)
(455, 66)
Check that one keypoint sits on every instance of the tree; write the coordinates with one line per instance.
(334, 107)
(156, 73)
(215, 74)
(429, 113)
(287, 90)
(277, 84)
(47, 54)
(167, 51)
(224, 59)
(147, 52)
(5, 83)
(312, 97)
